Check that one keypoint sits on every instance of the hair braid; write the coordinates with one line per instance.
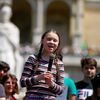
(38, 57)
(57, 69)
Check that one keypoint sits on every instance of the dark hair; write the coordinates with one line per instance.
(88, 61)
(14, 79)
(4, 66)
(6, 77)
(96, 81)
(16, 89)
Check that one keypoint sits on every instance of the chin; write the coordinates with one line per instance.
(51, 51)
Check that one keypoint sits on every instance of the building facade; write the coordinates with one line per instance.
(77, 22)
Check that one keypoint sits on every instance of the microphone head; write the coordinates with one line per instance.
(52, 56)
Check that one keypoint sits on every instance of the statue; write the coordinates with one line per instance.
(9, 40)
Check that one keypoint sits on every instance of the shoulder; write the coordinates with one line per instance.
(1, 86)
(12, 26)
(68, 81)
(81, 84)
(33, 56)
(71, 85)
(2, 92)
(31, 59)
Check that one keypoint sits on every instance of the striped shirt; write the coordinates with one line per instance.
(36, 87)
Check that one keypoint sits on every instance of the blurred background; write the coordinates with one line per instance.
(77, 21)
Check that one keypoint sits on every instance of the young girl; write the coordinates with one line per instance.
(10, 86)
(42, 84)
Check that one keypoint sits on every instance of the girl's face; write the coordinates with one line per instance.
(50, 42)
(8, 86)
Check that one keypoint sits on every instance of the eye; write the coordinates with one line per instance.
(55, 40)
(49, 39)
(92, 67)
(7, 82)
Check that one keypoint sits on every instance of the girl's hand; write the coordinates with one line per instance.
(40, 77)
(48, 78)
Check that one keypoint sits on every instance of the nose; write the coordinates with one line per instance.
(10, 84)
(89, 69)
(2, 72)
(52, 41)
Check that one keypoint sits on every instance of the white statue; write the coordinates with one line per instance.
(9, 40)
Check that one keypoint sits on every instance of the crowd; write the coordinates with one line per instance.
(8, 83)
(44, 78)
(43, 74)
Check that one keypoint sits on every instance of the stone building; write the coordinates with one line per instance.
(77, 22)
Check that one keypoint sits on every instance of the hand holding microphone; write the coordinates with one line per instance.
(49, 76)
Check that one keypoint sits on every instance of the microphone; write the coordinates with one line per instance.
(52, 56)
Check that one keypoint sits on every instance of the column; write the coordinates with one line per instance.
(39, 25)
(78, 26)
(79, 16)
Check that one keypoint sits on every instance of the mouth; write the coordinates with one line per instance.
(51, 46)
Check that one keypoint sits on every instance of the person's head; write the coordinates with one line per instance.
(50, 42)
(7, 82)
(5, 12)
(4, 68)
(96, 85)
(89, 67)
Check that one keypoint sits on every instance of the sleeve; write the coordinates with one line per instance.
(2, 91)
(71, 87)
(28, 78)
(58, 87)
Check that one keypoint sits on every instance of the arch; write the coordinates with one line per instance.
(68, 2)
(22, 18)
(58, 17)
